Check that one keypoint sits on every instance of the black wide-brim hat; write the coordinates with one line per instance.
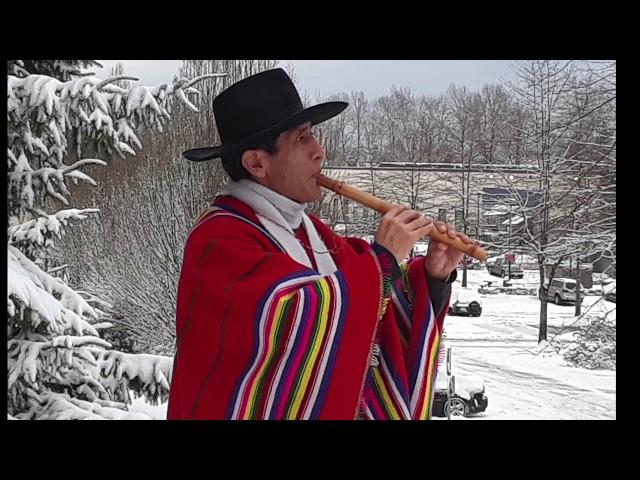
(263, 104)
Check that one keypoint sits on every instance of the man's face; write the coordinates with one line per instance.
(291, 170)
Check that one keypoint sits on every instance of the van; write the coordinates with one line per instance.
(563, 290)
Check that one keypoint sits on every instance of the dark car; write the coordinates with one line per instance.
(469, 397)
(610, 293)
(501, 269)
(473, 264)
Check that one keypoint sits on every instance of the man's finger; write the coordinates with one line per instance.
(408, 215)
(416, 223)
(434, 244)
(440, 225)
(424, 231)
(395, 211)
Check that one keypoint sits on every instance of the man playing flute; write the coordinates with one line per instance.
(278, 317)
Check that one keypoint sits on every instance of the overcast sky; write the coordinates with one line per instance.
(374, 77)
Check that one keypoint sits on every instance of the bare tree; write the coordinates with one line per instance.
(434, 135)
(462, 122)
(334, 134)
(359, 103)
(569, 136)
(132, 256)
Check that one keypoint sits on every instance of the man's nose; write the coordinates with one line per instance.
(318, 153)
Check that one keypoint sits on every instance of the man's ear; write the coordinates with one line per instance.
(255, 162)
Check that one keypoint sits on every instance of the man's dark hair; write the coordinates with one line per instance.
(232, 161)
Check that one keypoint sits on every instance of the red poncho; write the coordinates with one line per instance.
(260, 336)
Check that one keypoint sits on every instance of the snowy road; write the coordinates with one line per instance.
(519, 393)
(500, 347)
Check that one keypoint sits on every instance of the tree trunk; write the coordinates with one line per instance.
(578, 306)
(542, 330)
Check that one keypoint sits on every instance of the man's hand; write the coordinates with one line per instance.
(442, 259)
(400, 228)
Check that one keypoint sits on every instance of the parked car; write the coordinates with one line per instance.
(469, 396)
(420, 249)
(527, 262)
(563, 290)
(473, 264)
(609, 291)
(501, 269)
(489, 263)
(465, 301)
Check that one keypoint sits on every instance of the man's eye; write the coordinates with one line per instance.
(304, 136)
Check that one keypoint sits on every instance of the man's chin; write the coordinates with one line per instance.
(313, 193)
(315, 196)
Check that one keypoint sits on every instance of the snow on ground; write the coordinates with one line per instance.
(157, 412)
(522, 379)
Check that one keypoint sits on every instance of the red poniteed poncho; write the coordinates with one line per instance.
(260, 336)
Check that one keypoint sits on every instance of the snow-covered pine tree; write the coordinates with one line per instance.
(58, 366)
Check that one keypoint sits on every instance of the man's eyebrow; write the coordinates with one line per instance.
(298, 130)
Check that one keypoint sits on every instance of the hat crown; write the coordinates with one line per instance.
(255, 104)
(265, 103)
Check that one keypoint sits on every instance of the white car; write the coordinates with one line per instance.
(420, 248)
(465, 301)
(563, 291)
(468, 398)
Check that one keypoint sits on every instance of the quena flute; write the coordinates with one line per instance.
(383, 207)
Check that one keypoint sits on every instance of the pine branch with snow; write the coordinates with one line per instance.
(45, 114)
(59, 366)
(34, 236)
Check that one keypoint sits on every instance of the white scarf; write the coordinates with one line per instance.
(280, 216)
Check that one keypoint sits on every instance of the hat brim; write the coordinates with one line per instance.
(316, 114)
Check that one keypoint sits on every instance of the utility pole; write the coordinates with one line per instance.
(452, 384)
(578, 294)
(510, 223)
(478, 217)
